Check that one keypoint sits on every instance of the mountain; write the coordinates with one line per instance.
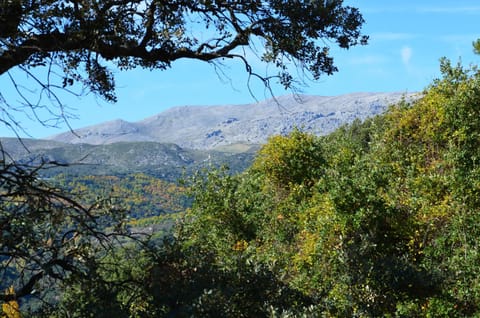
(211, 127)
(185, 139)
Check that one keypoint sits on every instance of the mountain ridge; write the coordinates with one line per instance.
(212, 126)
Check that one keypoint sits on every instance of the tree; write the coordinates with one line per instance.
(476, 46)
(77, 41)
(389, 224)
(48, 236)
(292, 160)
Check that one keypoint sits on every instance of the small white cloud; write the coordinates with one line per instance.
(406, 53)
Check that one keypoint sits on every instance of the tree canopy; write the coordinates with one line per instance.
(51, 238)
(79, 42)
(385, 226)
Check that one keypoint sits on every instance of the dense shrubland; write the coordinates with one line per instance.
(378, 219)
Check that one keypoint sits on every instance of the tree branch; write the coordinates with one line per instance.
(44, 43)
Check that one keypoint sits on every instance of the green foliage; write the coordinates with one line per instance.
(160, 160)
(48, 237)
(476, 46)
(290, 161)
(223, 203)
(85, 39)
(377, 219)
(117, 287)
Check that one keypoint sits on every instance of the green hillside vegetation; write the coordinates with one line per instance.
(162, 160)
(139, 194)
(151, 205)
(378, 219)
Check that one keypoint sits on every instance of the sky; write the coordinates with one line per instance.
(407, 39)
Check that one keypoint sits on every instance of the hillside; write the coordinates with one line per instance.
(184, 139)
(165, 161)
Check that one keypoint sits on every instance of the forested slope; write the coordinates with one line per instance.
(378, 219)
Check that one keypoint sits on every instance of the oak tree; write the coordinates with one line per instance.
(82, 41)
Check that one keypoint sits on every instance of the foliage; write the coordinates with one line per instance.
(117, 287)
(10, 309)
(377, 219)
(139, 194)
(290, 161)
(48, 237)
(77, 41)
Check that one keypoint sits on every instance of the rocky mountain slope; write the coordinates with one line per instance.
(210, 127)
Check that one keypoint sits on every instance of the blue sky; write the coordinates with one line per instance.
(407, 39)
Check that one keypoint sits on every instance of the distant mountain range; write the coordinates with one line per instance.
(184, 139)
(211, 127)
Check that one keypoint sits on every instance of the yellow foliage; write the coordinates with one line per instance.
(308, 243)
(11, 309)
(321, 233)
(240, 246)
(287, 161)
